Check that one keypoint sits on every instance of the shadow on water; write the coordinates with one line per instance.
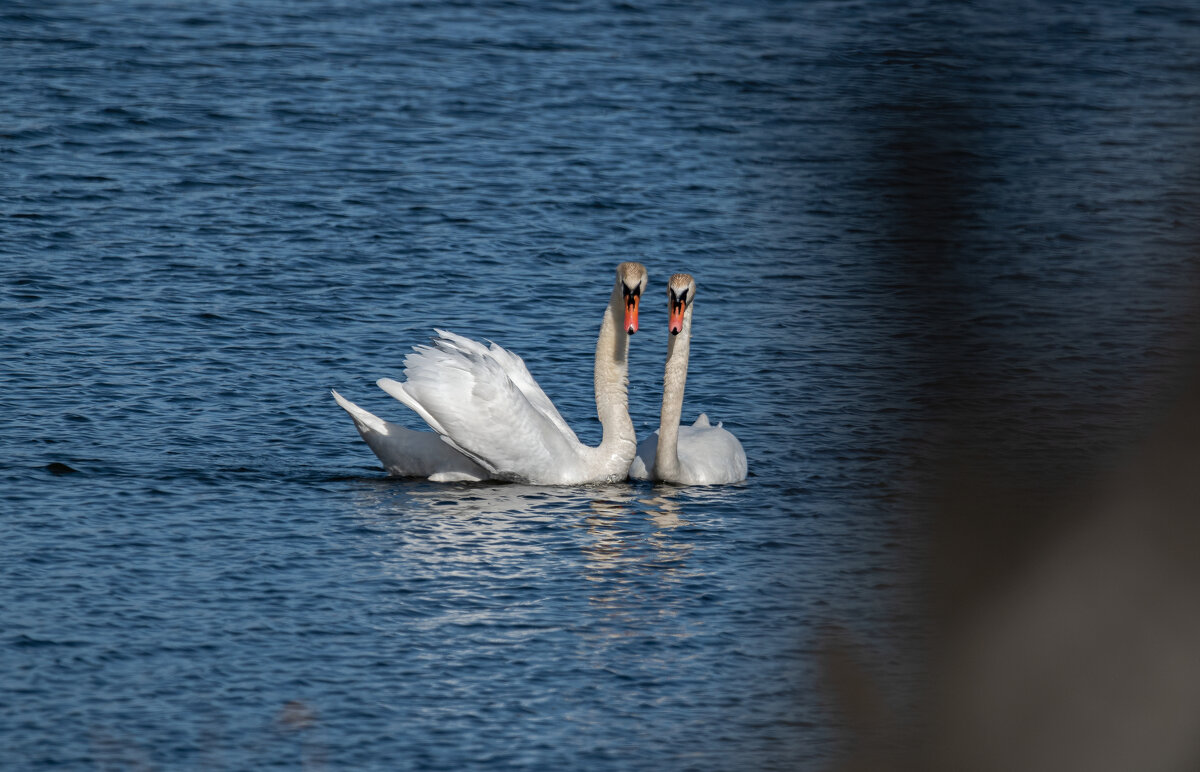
(1061, 578)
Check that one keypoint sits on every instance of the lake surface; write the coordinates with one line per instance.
(211, 214)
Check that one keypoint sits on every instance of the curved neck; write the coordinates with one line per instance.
(611, 380)
(666, 457)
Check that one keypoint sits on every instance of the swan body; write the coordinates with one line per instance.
(408, 453)
(700, 454)
(708, 455)
(483, 405)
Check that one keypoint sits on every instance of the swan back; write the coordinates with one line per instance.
(708, 455)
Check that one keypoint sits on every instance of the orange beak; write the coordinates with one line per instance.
(675, 323)
(631, 313)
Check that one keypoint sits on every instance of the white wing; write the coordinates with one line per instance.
(469, 395)
(408, 453)
(514, 367)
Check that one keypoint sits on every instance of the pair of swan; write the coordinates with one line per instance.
(491, 420)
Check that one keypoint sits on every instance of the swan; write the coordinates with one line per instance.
(700, 454)
(496, 422)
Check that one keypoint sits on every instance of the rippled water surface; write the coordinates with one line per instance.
(212, 213)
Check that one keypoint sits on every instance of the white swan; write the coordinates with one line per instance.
(496, 421)
(700, 454)
(408, 453)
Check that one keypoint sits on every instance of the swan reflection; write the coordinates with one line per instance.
(516, 528)
(389, 497)
(622, 542)
(637, 566)
(479, 549)
(664, 509)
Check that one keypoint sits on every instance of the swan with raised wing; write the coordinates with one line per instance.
(486, 409)
(700, 454)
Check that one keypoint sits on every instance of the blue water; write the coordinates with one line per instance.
(211, 214)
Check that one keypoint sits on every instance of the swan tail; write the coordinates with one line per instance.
(365, 420)
(702, 422)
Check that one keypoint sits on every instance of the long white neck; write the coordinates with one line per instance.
(666, 457)
(611, 381)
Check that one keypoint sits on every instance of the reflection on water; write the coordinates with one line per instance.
(437, 530)
(638, 569)
(664, 509)
(619, 539)
(392, 497)
(625, 531)
(618, 552)
(574, 610)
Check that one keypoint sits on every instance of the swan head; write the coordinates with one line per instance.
(632, 278)
(680, 292)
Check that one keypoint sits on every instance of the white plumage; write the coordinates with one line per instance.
(408, 453)
(494, 421)
(708, 455)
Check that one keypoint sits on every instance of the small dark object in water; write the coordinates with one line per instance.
(55, 467)
(297, 715)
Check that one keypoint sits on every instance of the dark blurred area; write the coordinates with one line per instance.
(1061, 478)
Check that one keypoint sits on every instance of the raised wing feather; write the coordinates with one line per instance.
(514, 367)
(470, 397)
